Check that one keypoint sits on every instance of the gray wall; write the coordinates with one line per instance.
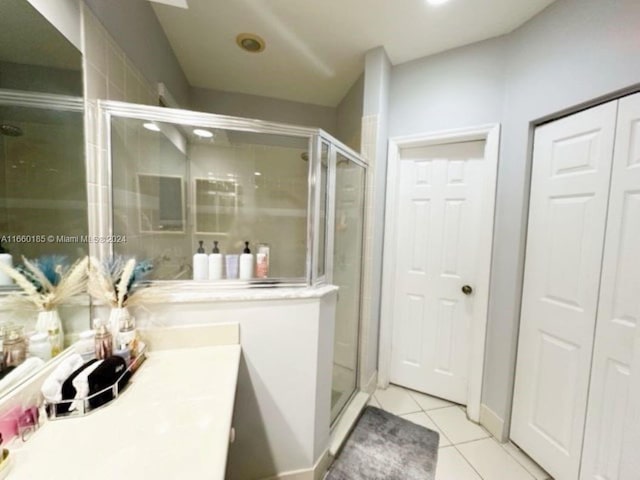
(349, 115)
(263, 108)
(572, 54)
(135, 27)
(459, 88)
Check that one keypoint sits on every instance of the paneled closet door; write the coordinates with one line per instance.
(567, 218)
(619, 305)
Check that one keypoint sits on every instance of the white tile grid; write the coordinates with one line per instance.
(466, 450)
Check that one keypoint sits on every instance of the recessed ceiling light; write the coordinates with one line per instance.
(437, 2)
(250, 42)
(202, 133)
(151, 126)
(257, 174)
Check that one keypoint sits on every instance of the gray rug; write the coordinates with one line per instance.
(384, 446)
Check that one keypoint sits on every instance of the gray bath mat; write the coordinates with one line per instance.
(384, 446)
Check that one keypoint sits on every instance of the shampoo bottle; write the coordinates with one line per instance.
(6, 259)
(246, 263)
(215, 263)
(200, 264)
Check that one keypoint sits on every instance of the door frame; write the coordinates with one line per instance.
(491, 135)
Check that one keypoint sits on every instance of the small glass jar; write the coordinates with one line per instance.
(15, 346)
(39, 346)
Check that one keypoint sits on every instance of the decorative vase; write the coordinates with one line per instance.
(118, 318)
(49, 322)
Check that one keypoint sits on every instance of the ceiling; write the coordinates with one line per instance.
(315, 49)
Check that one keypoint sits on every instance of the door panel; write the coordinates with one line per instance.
(567, 216)
(438, 220)
(619, 307)
(347, 264)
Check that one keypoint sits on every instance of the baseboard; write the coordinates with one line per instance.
(315, 473)
(492, 422)
(371, 384)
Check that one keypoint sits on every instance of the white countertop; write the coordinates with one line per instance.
(172, 422)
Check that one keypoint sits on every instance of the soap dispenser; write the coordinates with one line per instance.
(200, 264)
(246, 263)
(215, 263)
(7, 260)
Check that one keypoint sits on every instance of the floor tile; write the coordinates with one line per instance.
(427, 402)
(492, 461)
(523, 459)
(454, 424)
(373, 402)
(422, 419)
(452, 466)
(396, 400)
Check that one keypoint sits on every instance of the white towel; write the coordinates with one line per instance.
(52, 386)
(22, 371)
(81, 384)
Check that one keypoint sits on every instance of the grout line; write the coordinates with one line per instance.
(468, 462)
(521, 463)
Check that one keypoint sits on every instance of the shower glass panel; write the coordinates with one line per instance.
(347, 269)
(322, 234)
(173, 188)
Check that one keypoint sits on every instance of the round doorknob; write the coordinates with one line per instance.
(467, 290)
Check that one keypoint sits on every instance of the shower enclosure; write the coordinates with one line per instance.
(176, 180)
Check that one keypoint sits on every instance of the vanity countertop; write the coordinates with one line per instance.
(172, 422)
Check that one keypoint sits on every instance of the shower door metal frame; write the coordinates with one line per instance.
(100, 171)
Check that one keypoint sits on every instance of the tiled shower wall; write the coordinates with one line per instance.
(108, 75)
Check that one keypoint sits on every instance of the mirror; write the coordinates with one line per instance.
(43, 189)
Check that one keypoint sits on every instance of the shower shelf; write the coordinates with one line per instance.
(60, 410)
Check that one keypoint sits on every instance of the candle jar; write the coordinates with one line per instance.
(15, 346)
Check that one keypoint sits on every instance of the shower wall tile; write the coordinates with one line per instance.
(370, 129)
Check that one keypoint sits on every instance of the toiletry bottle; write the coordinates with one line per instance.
(246, 263)
(39, 346)
(231, 261)
(6, 259)
(262, 261)
(128, 337)
(215, 263)
(104, 340)
(86, 345)
(200, 264)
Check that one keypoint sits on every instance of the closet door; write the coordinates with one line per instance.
(619, 305)
(567, 217)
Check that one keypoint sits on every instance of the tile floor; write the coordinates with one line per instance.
(467, 451)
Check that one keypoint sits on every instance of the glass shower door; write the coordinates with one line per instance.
(347, 268)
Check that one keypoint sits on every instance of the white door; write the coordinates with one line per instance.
(567, 217)
(440, 215)
(619, 305)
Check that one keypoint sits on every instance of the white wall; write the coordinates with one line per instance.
(64, 15)
(284, 387)
(349, 116)
(377, 78)
(568, 56)
(263, 108)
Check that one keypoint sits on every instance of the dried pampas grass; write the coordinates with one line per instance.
(39, 291)
(113, 281)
